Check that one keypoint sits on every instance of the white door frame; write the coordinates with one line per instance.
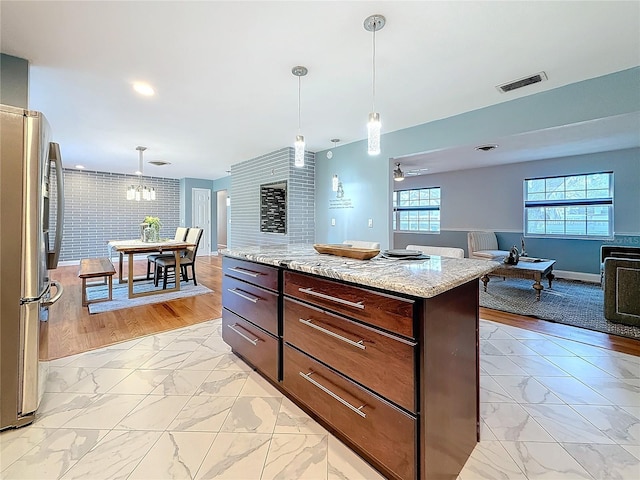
(205, 242)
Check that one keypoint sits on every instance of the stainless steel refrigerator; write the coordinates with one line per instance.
(26, 256)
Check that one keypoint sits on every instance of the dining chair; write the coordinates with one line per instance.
(181, 234)
(165, 264)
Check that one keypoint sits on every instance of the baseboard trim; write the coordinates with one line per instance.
(583, 277)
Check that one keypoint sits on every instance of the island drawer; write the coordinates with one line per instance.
(256, 273)
(250, 342)
(380, 361)
(256, 304)
(383, 310)
(379, 429)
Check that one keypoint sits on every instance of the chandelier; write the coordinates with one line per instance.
(140, 191)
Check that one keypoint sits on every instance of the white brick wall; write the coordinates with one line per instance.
(246, 178)
(96, 210)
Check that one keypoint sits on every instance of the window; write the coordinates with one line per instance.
(417, 210)
(574, 206)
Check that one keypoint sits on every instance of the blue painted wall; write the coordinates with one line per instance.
(367, 180)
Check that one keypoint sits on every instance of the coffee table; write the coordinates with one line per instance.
(533, 270)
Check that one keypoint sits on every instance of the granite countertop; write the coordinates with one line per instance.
(420, 278)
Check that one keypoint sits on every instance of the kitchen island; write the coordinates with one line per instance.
(382, 352)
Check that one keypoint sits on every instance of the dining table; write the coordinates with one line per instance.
(137, 246)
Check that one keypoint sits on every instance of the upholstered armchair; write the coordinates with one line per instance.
(621, 282)
(484, 245)
(616, 251)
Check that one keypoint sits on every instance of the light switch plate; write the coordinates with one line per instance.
(333, 222)
(371, 223)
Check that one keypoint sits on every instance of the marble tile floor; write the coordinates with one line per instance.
(179, 405)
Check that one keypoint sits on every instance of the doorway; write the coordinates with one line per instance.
(201, 217)
(223, 205)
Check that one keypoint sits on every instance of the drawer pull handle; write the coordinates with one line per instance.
(245, 272)
(252, 342)
(237, 292)
(358, 410)
(358, 344)
(310, 291)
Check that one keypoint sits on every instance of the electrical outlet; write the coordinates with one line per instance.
(333, 222)
(371, 223)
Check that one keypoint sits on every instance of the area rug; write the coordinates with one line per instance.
(121, 295)
(575, 303)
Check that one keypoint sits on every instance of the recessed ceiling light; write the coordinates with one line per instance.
(80, 167)
(144, 89)
(486, 148)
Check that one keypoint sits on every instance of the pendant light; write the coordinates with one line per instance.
(374, 23)
(140, 192)
(335, 181)
(298, 146)
(398, 175)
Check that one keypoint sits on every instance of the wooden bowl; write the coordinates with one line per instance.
(346, 251)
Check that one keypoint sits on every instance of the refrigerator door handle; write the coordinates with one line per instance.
(25, 300)
(56, 297)
(54, 255)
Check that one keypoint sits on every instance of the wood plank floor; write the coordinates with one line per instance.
(71, 329)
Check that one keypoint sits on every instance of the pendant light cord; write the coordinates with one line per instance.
(373, 109)
(299, 86)
(140, 166)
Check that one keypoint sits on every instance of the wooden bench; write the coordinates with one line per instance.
(94, 268)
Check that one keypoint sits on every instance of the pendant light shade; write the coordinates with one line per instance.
(140, 192)
(373, 134)
(334, 183)
(374, 23)
(298, 147)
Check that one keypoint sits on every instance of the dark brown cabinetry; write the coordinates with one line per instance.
(379, 361)
(250, 314)
(393, 376)
(387, 311)
(377, 427)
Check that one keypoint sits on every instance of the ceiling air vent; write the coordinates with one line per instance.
(522, 82)
(159, 163)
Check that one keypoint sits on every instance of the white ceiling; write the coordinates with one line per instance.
(222, 70)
